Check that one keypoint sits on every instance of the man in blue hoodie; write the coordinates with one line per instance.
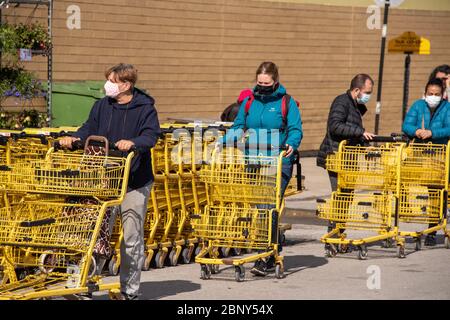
(127, 117)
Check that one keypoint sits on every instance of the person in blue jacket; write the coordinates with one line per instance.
(267, 125)
(429, 120)
(127, 118)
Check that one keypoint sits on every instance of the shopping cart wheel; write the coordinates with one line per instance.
(362, 252)
(418, 246)
(401, 251)
(279, 271)
(237, 251)
(173, 257)
(330, 250)
(447, 242)
(214, 268)
(159, 262)
(47, 261)
(185, 255)
(147, 262)
(113, 267)
(92, 268)
(344, 248)
(239, 273)
(205, 272)
(283, 239)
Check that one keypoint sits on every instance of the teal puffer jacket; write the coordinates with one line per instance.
(439, 123)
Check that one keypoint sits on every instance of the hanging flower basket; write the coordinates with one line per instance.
(22, 96)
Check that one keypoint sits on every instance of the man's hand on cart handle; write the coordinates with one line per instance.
(124, 145)
(66, 142)
(368, 136)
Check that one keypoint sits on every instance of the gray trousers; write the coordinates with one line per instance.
(133, 211)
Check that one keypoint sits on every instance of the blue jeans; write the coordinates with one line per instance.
(286, 175)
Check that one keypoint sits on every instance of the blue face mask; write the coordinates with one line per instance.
(365, 98)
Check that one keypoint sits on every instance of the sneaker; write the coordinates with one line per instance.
(259, 268)
(270, 264)
(430, 240)
(126, 296)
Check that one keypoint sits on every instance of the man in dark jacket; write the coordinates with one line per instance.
(345, 123)
(127, 117)
(345, 120)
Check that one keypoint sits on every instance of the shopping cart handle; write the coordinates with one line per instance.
(244, 219)
(422, 197)
(37, 223)
(255, 146)
(319, 200)
(373, 154)
(392, 138)
(111, 146)
(70, 173)
(60, 134)
(3, 141)
(23, 135)
(5, 168)
(76, 145)
(365, 203)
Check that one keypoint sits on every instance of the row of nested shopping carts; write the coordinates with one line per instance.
(385, 189)
(56, 208)
(179, 196)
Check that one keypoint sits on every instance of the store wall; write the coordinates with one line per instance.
(194, 56)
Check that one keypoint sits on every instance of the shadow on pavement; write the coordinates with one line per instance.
(153, 290)
(293, 264)
(159, 289)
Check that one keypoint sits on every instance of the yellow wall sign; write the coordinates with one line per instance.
(410, 42)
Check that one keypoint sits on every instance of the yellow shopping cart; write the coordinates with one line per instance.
(244, 196)
(56, 239)
(68, 174)
(424, 194)
(368, 196)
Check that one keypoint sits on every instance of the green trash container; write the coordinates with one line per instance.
(72, 101)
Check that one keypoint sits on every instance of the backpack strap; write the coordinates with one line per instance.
(248, 104)
(285, 102)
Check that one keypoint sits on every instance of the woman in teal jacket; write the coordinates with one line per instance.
(429, 120)
(266, 123)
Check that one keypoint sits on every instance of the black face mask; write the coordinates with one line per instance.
(266, 90)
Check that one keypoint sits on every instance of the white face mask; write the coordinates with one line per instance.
(111, 89)
(433, 101)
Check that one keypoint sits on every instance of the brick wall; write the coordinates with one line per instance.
(194, 56)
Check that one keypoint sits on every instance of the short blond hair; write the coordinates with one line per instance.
(123, 72)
